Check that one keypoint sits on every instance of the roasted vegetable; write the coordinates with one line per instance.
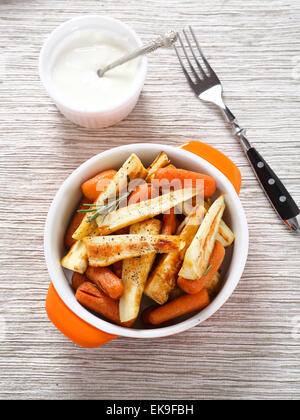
(131, 169)
(76, 259)
(182, 305)
(197, 255)
(135, 272)
(143, 192)
(169, 222)
(138, 212)
(94, 186)
(225, 236)
(105, 250)
(107, 281)
(160, 162)
(163, 278)
(180, 177)
(194, 286)
(94, 299)
(78, 279)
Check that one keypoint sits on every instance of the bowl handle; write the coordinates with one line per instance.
(73, 327)
(217, 159)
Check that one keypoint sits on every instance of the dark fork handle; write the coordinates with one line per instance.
(274, 189)
(272, 186)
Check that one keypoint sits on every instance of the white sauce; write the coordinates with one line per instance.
(74, 73)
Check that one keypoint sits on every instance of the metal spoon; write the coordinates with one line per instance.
(165, 40)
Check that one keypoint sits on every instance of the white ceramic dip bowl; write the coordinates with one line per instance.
(104, 115)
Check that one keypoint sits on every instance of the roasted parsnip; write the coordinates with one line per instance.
(160, 162)
(131, 169)
(105, 250)
(163, 278)
(135, 272)
(224, 235)
(144, 210)
(198, 254)
(77, 258)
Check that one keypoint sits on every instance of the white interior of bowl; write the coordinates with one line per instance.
(68, 196)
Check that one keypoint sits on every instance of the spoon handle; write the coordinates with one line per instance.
(162, 41)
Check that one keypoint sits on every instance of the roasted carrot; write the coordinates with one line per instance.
(92, 298)
(78, 279)
(215, 261)
(106, 280)
(181, 306)
(169, 223)
(117, 268)
(178, 176)
(94, 186)
(142, 193)
(88, 295)
(75, 222)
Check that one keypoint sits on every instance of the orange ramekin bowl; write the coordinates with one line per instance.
(83, 327)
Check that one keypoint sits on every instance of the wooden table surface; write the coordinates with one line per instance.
(250, 347)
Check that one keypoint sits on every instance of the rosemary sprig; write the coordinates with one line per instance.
(207, 270)
(103, 209)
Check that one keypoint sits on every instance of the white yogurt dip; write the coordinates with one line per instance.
(74, 71)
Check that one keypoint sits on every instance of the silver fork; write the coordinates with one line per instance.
(207, 87)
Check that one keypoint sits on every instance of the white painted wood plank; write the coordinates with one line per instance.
(250, 348)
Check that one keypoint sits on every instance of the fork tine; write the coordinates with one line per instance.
(188, 60)
(202, 55)
(191, 83)
(193, 53)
